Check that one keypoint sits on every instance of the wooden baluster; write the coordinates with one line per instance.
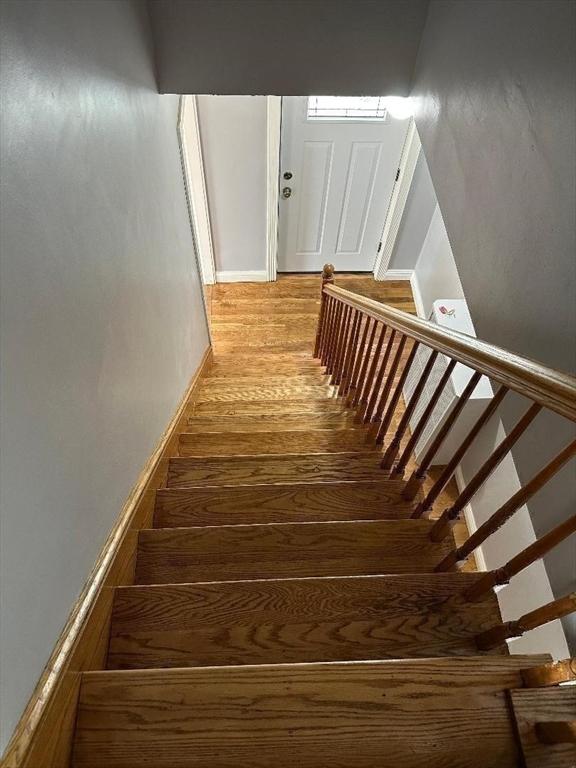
(327, 277)
(447, 519)
(367, 387)
(553, 673)
(503, 514)
(496, 636)
(423, 420)
(329, 304)
(556, 731)
(387, 420)
(335, 337)
(379, 377)
(394, 447)
(351, 389)
(534, 552)
(366, 360)
(350, 352)
(343, 346)
(379, 397)
(384, 394)
(450, 468)
(418, 476)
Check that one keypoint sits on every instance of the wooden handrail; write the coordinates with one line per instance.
(547, 386)
(370, 349)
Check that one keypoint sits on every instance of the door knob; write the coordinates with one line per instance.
(286, 192)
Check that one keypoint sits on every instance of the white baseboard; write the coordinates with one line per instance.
(398, 274)
(250, 276)
(470, 521)
(417, 294)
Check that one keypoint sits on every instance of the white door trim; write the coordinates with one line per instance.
(273, 128)
(408, 160)
(189, 133)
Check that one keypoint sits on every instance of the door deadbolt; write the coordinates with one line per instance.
(287, 175)
(286, 192)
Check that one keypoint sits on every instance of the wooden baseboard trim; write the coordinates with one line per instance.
(43, 736)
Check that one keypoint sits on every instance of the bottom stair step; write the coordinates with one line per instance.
(286, 550)
(439, 713)
(297, 620)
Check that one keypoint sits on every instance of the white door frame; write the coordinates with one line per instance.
(195, 180)
(273, 133)
(408, 160)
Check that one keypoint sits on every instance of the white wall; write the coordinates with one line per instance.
(416, 217)
(233, 135)
(435, 273)
(102, 321)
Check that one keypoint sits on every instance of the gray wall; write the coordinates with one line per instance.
(416, 218)
(102, 324)
(233, 136)
(287, 47)
(496, 113)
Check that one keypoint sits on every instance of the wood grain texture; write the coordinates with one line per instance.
(263, 470)
(285, 550)
(274, 443)
(317, 405)
(263, 392)
(295, 621)
(271, 422)
(184, 507)
(441, 713)
(540, 706)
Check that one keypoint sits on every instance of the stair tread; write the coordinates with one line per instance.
(262, 392)
(242, 407)
(294, 502)
(267, 422)
(297, 620)
(285, 550)
(442, 713)
(274, 443)
(254, 470)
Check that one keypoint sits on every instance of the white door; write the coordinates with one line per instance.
(337, 173)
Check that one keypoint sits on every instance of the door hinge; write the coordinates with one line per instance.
(397, 175)
(379, 247)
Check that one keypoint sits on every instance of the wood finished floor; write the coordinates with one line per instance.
(291, 306)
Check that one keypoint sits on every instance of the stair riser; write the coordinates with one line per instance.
(286, 551)
(280, 504)
(270, 622)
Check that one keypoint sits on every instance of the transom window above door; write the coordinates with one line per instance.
(347, 108)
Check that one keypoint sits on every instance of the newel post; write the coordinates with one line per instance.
(327, 278)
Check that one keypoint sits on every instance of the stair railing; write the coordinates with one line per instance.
(368, 350)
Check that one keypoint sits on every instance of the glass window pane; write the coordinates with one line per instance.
(346, 107)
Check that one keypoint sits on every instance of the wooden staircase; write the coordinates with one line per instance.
(287, 610)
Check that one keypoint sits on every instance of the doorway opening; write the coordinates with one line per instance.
(286, 184)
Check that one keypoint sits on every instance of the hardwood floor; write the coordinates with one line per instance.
(285, 610)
